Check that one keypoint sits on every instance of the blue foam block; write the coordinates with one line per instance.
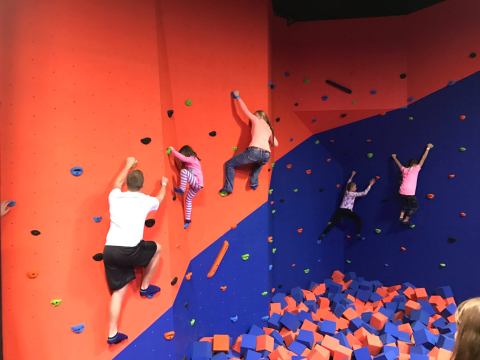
(306, 338)
(201, 350)
(253, 355)
(274, 321)
(255, 330)
(297, 347)
(290, 321)
(249, 342)
(297, 294)
(328, 327)
(449, 310)
(362, 354)
(279, 298)
(445, 342)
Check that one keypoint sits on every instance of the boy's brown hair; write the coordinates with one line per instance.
(135, 180)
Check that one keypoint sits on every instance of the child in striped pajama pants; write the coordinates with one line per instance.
(191, 174)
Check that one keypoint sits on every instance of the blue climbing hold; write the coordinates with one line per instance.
(324, 98)
(76, 170)
(78, 329)
(12, 203)
(97, 219)
(373, 92)
(234, 318)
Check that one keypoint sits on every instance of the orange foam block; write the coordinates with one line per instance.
(264, 343)
(308, 325)
(374, 344)
(319, 353)
(403, 347)
(405, 328)
(288, 336)
(444, 354)
(410, 306)
(378, 320)
(410, 293)
(338, 276)
(221, 343)
(280, 353)
(319, 289)
(350, 314)
(236, 345)
(276, 308)
(342, 324)
(361, 335)
(309, 296)
(421, 294)
(323, 303)
(342, 353)
(330, 343)
(404, 357)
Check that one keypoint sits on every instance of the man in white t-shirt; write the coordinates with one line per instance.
(125, 248)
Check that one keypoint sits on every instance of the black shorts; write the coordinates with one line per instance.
(120, 262)
(409, 203)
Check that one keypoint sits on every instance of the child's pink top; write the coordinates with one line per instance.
(192, 164)
(261, 132)
(409, 182)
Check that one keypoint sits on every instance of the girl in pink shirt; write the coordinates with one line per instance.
(257, 153)
(191, 173)
(409, 204)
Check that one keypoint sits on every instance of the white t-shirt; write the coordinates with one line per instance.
(128, 211)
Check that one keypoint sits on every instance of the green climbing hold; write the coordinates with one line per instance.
(273, 164)
(245, 257)
(295, 190)
(412, 226)
(234, 148)
(317, 142)
(169, 151)
(462, 149)
(306, 81)
(442, 265)
(378, 231)
(348, 261)
(369, 155)
(270, 191)
(188, 102)
(274, 250)
(306, 271)
(56, 302)
(192, 322)
(265, 293)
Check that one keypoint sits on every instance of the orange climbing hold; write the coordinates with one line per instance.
(218, 259)
(188, 276)
(32, 275)
(169, 335)
(430, 196)
(270, 239)
(223, 288)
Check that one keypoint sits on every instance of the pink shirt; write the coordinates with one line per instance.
(261, 132)
(191, 163)
(409, 182)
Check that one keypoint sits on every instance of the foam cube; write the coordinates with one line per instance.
(328, 327)
(362, 354)
(306, 338)
(290, 321)
(201, 351)
(319, 353)
(265, 343)
(221, 343)
(248, 342)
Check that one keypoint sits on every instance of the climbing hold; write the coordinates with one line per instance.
(328, 160)
(223, 288)
(188, 276)
(277, 119)
(373, 92)
(462, 117)
(369, 141)
(78, 329)
(343, 115)
(245, 257)
(270, 191)
(412, 226)
(273, 164)
(32, 275)
(271, 85)
(149, 223)
(289, 166)
(286, 74)
(442, 265)
(452, 240)
(338, 186)
(295, 104)
(264, 293)
(331, 141)
(174, 281)
(76, 171)
(270, 267)
(308, 171)
(170, 113)
(324, 97)
(300, 230)
(169, 151)
(378, 231)
(293, 265)
(306, 271)
(169, 335)
(377, 177)
(146, 141)
(35, 232)
(462, 149)
(192, 322)
(430, 196)
(274, 211)
(463, 214)
(11, 203)
(314, 120)
(348, 261)
(472, 55)
(265, 318)
(188, 102)
(97, 219)
(317, 142)
(98, 257)
(56, 302)
(295, 190)
(306, 81)
(274, 250)
(234, 148)
(218, 259)
(234, 318)
(403, 75)
(338, 86)
(212, 133)
(403, 248)
(451, 176)
(386, 265)
(410, 118)
(369, 155)
(291, 139)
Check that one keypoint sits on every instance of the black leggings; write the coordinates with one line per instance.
(339, 215)
(409, 204)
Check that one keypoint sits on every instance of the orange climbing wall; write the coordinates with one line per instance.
(85, 81)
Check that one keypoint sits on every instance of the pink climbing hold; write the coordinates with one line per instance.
(308, 171)
(329, 159)
(289, 166)
(463, 214)
(403, 248)
(451, 176)
(300, 230)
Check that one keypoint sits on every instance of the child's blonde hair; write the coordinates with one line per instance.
(467, 343)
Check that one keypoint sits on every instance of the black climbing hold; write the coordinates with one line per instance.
(279, 286)
(321, 190)
(271, 85)
(146, 140)
(212, 133)
(473, 55)
(149, 222)
(174, 281)
(286, 74)
(403, 76)
(35, 232)
(174, 197)
(277, 119)
(338, 86)
(98, 257)
(452, 240)
(296, 104)
(170, 113)
(343, 115)
(282, 201)
(185, 305)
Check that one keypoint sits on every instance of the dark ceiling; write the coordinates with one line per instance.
(306, 10)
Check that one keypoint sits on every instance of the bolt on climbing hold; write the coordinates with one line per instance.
(234, 318)
(451, 176)
(274, 211)
(56, 302)
(223, 288)
(170, 113)
(348, 261)
(98, 257)
(410, 118)
(188, 276)
(234, 148)
(442, 265)
(378, 231)
(462, 149)
(78, 329)
(369, 155)
(149, 223)
(212, 133)
(462, 117)
(169, 151)
(308, 171)
(245, 257)
(32, 275)
(463, 214)
(306, 271)
(174, 281)
(169, 335)
(289, 166)
(300, 230)
(403, 248)
(76, 171)
(295, 190)
(35, 232)
(270, 239)
(192, 322)
(274, 250)
(412, 226)
(146, 141)
(97, 219)
(188, 102)
(317, 142)
(264, 293)
(430, 196)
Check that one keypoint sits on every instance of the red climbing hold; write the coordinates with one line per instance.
(308, 171)
(299, 230)
(403, 248)
(430, 196)
(463, 214)
(289, 166)
(462, 117)
(451, 176)
(270, 239)
(377, 177)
